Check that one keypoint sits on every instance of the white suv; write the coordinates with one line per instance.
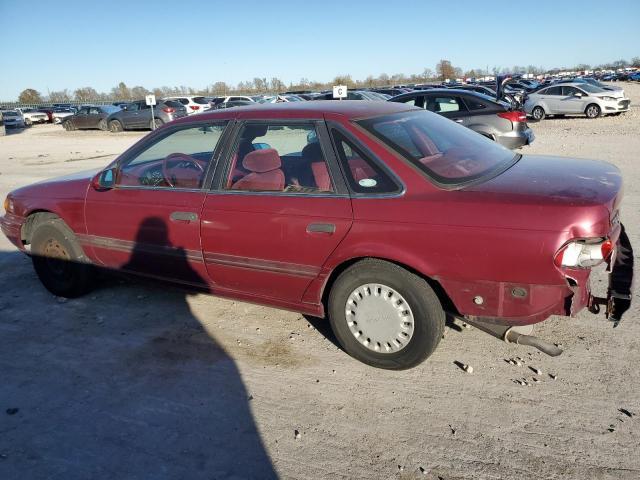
(192, 104)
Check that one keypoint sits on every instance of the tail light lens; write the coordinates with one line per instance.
(583, 253)
(514, 116)
(195, 107)
(168, 110)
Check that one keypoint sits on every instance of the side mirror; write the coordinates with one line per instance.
(105, 180)
(578, 94)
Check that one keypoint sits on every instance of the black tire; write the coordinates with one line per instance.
(158, 121)
(616, 114)
(68, 126)
(592, 111)
(59, 261)
(27, 122)
(102, 125)
(538, 113)
(115, 126)
(428, 315)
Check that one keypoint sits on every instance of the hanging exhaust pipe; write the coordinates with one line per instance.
(519, 335)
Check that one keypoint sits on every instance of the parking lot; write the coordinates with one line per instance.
(183, 385)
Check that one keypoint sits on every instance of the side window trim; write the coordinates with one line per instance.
(158, 136)
(400, 186)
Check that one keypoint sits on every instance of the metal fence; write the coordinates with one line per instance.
(73, 103)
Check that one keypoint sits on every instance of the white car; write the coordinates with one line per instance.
(32, 116)
(59, 114)
(281, 99)
(575, 98)
(192, 104)
(12, 118)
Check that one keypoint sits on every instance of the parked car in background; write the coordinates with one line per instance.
(13, 119)
(280, 99)
(137, 115)
(480, 113)
(90, 116)
(232, 98)
(231, 104)
(191, 103)
(390, 90)
(382, 232)
(596, 83)
(575, 99)
(353, 95)
(60, 113)
(31, 116)
(48, 111)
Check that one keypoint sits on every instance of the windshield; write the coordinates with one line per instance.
(10, 114)
(587, 87)
(448, 153)
(110, 109)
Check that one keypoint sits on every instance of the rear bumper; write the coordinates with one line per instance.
(516, 138)
(11, 226)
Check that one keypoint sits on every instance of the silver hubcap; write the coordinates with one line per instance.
(379, 318)
(537, 113)
(592, 111)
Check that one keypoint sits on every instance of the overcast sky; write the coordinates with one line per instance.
(69, 44)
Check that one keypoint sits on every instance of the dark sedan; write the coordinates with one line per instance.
(90, 116)
(481, 113)
(137, 115)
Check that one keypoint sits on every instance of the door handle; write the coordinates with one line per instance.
(329, 228)
(183, 216)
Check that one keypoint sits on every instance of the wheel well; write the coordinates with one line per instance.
(32, 221)
(594, 104)
(442, 295)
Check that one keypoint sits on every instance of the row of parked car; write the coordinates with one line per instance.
(497, 110)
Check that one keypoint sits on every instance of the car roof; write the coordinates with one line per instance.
(308, 109)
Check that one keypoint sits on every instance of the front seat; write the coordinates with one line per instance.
(265, 172)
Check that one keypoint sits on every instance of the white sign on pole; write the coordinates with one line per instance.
(150, 99)
(340, 91)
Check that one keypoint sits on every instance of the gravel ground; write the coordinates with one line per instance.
(138, 380)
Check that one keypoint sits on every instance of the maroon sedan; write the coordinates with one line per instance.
(380, 216)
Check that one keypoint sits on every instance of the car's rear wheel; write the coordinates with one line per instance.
(28, 122)
(102, 124)
(68, 126)
(384, 315)
(158, 123)
(59, 261)
(592, 111)
(538, 113)
(115, 126)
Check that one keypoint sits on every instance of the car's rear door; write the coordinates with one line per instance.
(448, 105)
(277, 210)
(149, 222)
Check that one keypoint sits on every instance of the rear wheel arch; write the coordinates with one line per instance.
(443, 296)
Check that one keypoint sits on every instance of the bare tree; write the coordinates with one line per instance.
(85, 94)
(30, 95)
(139, 92)
(59, 96)
(445, 70)
(635, 62)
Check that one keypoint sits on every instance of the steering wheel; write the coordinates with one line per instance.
(180, 159)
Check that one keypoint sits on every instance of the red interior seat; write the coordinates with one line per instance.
(265, 172)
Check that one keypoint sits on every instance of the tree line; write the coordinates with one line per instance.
(261, 85)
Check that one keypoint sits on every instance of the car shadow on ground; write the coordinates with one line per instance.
(122, 383)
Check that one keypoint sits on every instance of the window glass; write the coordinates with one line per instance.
(444, 104)
(200, 100)
(363, 174)
(133, 107)
(279, 158)
(447, 153)
(566, 91)
(178, 160)
(94, 111)
(474, 104)
(552, 91)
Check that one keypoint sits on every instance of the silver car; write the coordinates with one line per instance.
(13, 118)
(573, 98)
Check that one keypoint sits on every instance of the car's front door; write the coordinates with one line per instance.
(93, 117)
(80, 118)
(278, 209)
(149, 221)
(573, 99)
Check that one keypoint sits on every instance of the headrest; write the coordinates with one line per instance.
(252, 131)
(261, 161)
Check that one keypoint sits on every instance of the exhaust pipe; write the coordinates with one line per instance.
(519, 335)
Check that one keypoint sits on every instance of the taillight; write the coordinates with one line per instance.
(195, 107)
(583, 253)
(513, 116)
(168, 110)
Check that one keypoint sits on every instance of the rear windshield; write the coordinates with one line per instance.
(448, 153)
(173, 104)
(200, 100)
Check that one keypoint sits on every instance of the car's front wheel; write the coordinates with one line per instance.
(592, 111)
(115, 126)
(538, 113)
(59, 261)
(68, 126)
(384, 315)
